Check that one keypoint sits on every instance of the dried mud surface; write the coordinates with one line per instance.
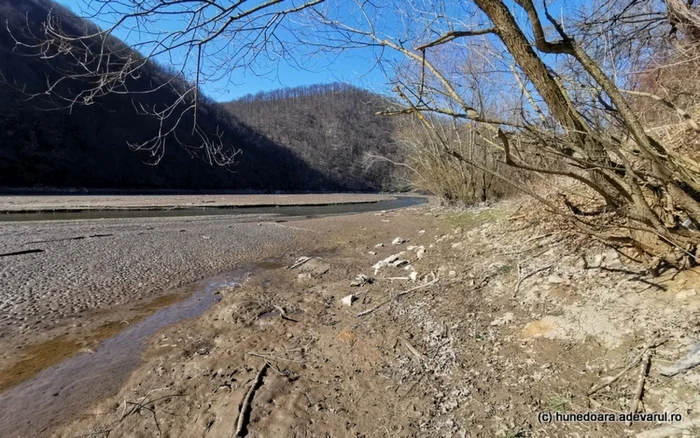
(525, 317)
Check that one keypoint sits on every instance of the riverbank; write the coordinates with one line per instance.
(500, 322)
(474, 325)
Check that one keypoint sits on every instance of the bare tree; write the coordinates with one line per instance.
(554, 92)
(574, 113)
(201, 41)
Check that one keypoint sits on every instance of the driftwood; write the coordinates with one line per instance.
(245, 405)
(653, 344)
(422, 286)
(643, 370)
(300, 261)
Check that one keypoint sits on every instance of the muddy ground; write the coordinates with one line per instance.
(482, 321)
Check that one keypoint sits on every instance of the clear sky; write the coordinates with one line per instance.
(356, 67)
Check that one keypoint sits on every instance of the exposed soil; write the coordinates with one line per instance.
(480, 352)
(504, 319)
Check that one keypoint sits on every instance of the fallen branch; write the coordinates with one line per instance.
(643, 370)
(411, 348)
(653, 344)
(245, 406)
(522, 278)
(413, 289)
(283, 314)
(667, 431)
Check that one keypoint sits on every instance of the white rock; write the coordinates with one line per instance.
(413, 276)
(399, 263)
(411, 247)
(397, 241)
(685, 294)
(348, 300)
(421, 231)
(420, 253)
(597, 260)
(503, 320)
(379, 245)
(555, 279)
(371, 253)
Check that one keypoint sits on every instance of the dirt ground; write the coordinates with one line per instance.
(482, 321)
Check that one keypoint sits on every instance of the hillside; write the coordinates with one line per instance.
(332, 127)
(42, 146)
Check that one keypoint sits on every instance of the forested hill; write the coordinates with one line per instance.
(333, 127)
(88, 146)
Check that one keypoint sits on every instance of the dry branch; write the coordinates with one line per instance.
(422, 286)
(244, 412)
(643, 370)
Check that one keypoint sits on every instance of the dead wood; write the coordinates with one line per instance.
(413, 289)
(244, 412)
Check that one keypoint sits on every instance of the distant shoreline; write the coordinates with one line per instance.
(71, 202)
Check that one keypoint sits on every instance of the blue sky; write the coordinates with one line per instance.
(353, 67)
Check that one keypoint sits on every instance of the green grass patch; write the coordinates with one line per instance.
(561, 402)
(472, 219)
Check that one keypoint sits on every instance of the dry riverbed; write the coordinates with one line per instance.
(475, 324)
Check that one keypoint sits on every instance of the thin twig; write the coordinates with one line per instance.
(422, 286)
(525, 277)
(283, 313)
(643, 370)
(653, 344)
(411, 348)
(245, 406)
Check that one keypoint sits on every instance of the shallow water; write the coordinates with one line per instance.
(284, 210)
(33, 407)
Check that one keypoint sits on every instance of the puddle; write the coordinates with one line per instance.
(33, 407)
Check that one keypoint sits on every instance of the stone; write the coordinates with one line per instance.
(379, 245)
(361, 280)
(597, 261)
(348, 300)
(503, 320)
(373, 253)
(420, 252)
(413, 276)
(458, 230)
(685, 294)
(421, 231)
(612, 259)
(397, 241)
(555, 279)
(399, 263)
